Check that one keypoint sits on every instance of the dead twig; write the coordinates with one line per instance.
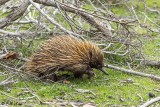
(16, 13)
(7, 81)
(13, 69)
(90, 18)
(150, 102)
(141, 99)
(53, 21)
(85, 91)
(152, 63)
(158, 90)
(3, 2)
(8, 95)
(9, 33)
(133, 72)
(18, 72)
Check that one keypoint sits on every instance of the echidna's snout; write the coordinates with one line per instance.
(104, 71)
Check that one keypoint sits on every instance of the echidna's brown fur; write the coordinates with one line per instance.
(66, 53)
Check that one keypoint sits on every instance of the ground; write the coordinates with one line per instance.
(115, 89)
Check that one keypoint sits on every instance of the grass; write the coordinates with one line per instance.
(108, 90)
(151, 48)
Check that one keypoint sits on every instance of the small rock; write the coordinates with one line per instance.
(151, 95)
(110, 97)
(89, 105)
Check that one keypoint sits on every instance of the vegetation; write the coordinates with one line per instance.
(116, 89)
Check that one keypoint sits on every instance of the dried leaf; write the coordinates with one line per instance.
(10, 55)
(66, 82)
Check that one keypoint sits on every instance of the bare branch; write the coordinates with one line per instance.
(52, 20)
(152, 63)
(7, 81)
(89, 18)
(3, 2)
(9, 33)
(8, 95)
(133, 72)
(15, 14)
(20, 34)
(148, 103)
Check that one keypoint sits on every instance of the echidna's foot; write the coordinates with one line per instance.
(63, 77)
(48, 77)
(52, 77)
(78, 74)
(90, 74)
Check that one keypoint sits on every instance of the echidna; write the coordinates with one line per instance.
(66, 53)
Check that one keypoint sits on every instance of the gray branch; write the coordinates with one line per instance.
(53, 21)
(3, 2)
(90, 18)
(148, 103)
(134, 72)
(15, 14)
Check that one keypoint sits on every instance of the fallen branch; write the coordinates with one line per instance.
(133, 72)
(7, 81)
(3, 2)
(18, 72)
(6, 94)
(23, 34)
(90, 18)
(9, 33)
(150, 102)
(152, 10)
(152, 63)
(53, 21)
(16, 13)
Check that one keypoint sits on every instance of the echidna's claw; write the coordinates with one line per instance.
(104, 71)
